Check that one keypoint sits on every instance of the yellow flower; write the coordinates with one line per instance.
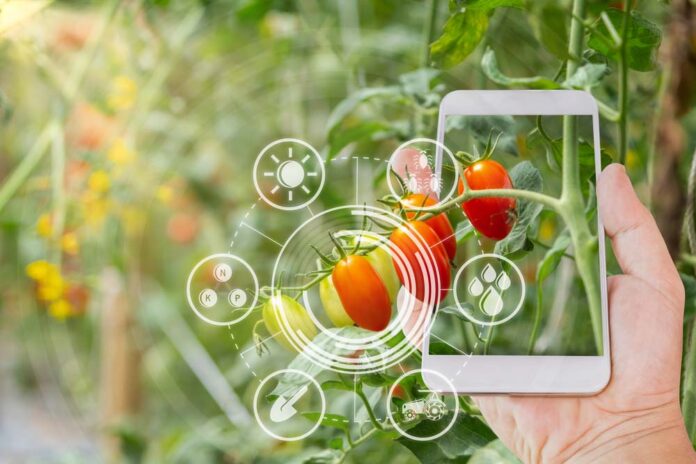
(60, 309)
(99, 181)
(94, 208)
(164, 194)
(70, 244)
(51, 287)
(39, 270)
(120, 154)
(124, 91)
(44, 226)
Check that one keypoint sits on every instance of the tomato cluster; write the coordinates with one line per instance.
(362, 287)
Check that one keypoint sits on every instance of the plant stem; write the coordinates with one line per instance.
(537, 319)
(572, 203)
(359, 391)
(623, 82)
(429, 32)
(689, 382)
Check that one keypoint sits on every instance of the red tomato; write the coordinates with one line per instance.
(401, 239)
(362, 293)
(493, 217)
(440, 223)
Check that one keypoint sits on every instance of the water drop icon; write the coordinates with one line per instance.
(475, 287)
(503, 281)
(491, 303)
(488, 273)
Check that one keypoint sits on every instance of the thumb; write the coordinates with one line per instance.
(635, 238)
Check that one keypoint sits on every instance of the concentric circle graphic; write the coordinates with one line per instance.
(359, 351)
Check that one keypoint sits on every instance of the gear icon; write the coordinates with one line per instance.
(435, 409)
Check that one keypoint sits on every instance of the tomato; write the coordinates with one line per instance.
(363, 295)
(440, 223)
(297, 319)
(493, 217)
(402, 239)
(381, 263)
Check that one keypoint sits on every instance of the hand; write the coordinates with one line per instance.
(637, 417)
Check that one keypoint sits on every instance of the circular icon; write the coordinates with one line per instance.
(222, 272)
(207, 298)
(237, 298)
(289, 174)
(414, 164)
(426, 405)
(360, 351)
(223, 284)
(491, 291)
(279, 418)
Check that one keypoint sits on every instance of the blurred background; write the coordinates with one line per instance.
(129, 130)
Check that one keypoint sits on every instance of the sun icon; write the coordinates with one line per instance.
(289, 174)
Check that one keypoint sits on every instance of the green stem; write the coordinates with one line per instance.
(359, 391)
(689, 382)
(572, 204)
(430, 31)
(537, 319)
(623, 82)
(27, 165)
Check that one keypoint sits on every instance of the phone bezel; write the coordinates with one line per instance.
(521, 374)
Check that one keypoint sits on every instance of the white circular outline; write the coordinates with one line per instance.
(438, 144)
(383, 360)
(396, 425)
(258, 392)
(243, 263)
(476, 258)
(321, 169)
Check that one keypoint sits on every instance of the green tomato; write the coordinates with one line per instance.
(332, 303)
(296, 315)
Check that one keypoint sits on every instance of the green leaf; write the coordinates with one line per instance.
(494, 453)
(345, 107)
(553, 256)
(327, 456)
(461, 34)
(335, 385)
(551, 27)
(644, 38)
(464, 230)
(524, 177)
(484, 5)
(421, 85)
(468, 434)
(329, 420)
(690, 296)
(587, 76)
(489, 65)
(290, 382)
(372, 130)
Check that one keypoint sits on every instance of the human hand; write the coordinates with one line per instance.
(637, 417)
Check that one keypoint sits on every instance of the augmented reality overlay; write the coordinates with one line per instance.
(448, 242)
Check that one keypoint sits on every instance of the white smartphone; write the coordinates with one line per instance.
(513, 328)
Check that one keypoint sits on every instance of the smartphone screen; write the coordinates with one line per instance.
(520, 286)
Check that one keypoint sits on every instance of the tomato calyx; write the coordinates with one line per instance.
(467, 159)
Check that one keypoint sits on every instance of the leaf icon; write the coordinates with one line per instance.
(503, 281)
(475, 287)
(488, 273)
